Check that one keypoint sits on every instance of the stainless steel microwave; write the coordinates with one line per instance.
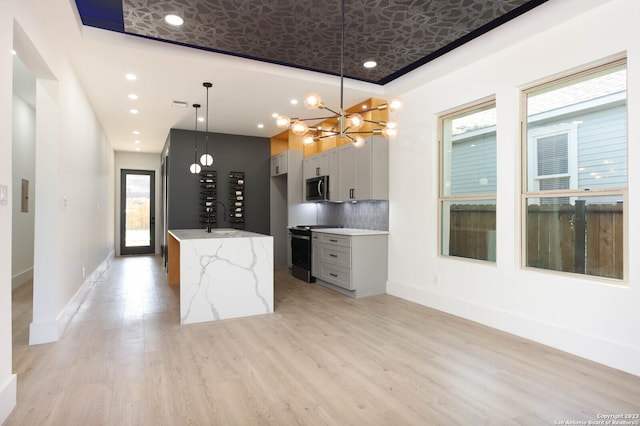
(318, 188)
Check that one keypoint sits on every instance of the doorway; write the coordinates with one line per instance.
(137, 212)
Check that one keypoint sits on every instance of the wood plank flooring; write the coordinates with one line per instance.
(320, 359)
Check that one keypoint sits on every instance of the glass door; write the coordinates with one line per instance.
(137, 212)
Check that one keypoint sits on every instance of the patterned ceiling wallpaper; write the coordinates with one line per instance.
(306, 33)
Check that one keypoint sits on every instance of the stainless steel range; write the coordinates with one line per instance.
(301, 250)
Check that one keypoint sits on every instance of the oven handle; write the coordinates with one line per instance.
(300, 237)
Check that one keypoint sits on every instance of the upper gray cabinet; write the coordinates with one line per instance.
(364, 172)
(279, 164)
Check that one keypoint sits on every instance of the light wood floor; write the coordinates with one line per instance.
(320, 359)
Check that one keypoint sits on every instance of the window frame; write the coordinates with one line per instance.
(572, 193)
(485, 103)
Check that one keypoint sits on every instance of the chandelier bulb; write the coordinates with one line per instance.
(299, 128)
(355, 121)
(313, 101)
(308, 140)
(283, 121)
(358, 141)
(390, 132)
(395, 104)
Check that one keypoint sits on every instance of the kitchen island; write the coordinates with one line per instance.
(227, 273)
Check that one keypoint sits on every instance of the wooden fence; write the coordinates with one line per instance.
(137, 213)
(570, 238)
(471, 231)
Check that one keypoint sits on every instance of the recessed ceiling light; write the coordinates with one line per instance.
(13, 52)
(179, 104)
(136, 132)
(136, 142)
(131, 77)
(133, 111)
(200, 119)
(294, 102)
(275, 115)
(137, 149)
(260, 126)
(370, 64)
(133, 96)
(174, 20)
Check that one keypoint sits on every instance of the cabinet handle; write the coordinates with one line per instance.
(333, 241)
(333, 255)
(333, 275)
(351, 193)
(317, 171)
(277, 169)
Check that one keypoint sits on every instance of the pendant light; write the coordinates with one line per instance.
(195, 167)
(207, 159)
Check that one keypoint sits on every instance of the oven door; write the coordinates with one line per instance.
(301, 257)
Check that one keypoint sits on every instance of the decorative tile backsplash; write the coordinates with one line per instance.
(361, 215)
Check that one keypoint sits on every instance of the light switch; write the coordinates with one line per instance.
(4, 195)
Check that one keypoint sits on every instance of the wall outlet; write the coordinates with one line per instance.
(4, 195)
(83, 273)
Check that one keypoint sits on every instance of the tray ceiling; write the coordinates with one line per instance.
(400, 35)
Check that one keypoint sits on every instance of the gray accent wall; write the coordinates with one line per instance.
(247, 154)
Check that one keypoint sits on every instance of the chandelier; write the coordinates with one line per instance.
(347, 125)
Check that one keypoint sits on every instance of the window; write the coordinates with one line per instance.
(575, 161)
(468, 182)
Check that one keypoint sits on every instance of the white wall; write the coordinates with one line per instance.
(594, 319)
(24, 138)
(7, 379)
(138, 161)
(73, 160)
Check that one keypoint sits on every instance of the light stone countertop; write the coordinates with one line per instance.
(202, 234)
(350, 231)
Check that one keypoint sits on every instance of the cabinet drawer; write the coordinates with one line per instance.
(335, 255)
(336, 275)
(339, 240)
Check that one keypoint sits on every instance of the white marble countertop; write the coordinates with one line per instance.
(350, 231)
(202, 234)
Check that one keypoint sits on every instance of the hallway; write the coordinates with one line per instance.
(321, 358)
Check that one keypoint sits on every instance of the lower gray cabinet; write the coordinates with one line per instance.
(356, 263)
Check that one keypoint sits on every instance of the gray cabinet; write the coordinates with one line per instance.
(355, 265)
(280, 164)
(316, 165)
(364, 171)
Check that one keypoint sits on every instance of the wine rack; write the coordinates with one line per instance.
(208, 186)
(236, 199)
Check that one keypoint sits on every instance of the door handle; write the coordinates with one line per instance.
(153, 220)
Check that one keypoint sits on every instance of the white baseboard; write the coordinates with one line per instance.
(610, 353)
(51, 331)
(18, 279)
(7, 397)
